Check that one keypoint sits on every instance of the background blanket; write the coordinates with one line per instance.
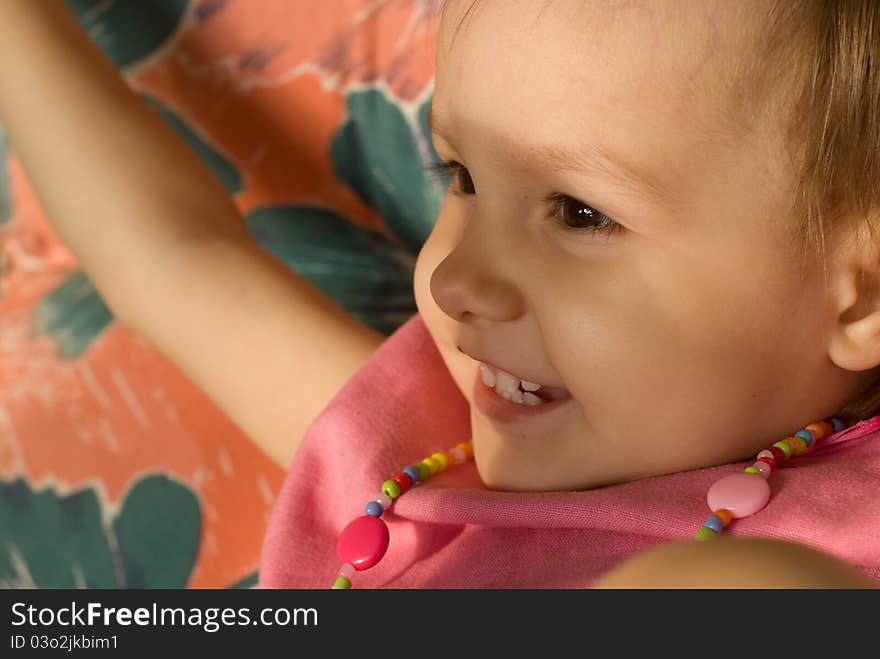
(115, 471)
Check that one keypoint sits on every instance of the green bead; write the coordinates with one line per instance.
(424, 471)
(705, 533)
(391, 489)
(752, 470)
(784, 447)
(341, 583)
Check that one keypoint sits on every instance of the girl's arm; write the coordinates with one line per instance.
(161, 239)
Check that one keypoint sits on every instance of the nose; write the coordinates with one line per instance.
(475, 280)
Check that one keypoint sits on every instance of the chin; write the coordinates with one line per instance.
(503, 478)
(506, 465)
(499, 483)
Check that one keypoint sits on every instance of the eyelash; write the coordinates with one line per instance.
(605, 225)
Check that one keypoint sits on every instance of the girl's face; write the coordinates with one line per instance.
(612, 231)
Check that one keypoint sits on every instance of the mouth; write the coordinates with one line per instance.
(504, 397)
(517, 390)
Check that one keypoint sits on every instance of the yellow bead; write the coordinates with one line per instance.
(785, 447)
(391, 489)
(341, 583)
(798, 444)
(424, 470)
(441, 459)
(432, 465)
(752, 470)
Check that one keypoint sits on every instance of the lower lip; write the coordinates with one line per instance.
(496, 408)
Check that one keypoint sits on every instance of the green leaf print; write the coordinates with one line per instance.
(52, 541)
(376, 153)
(365, 273)
(157, 533)
(128, 30)
(73, 314)
(48, 540)
(249, 582)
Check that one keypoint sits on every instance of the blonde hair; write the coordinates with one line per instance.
(827, 54)
(817, 65)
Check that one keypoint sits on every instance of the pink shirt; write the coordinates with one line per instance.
(450, 532)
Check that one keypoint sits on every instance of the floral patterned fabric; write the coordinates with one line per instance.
(115, 470)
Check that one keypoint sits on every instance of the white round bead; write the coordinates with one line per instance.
(763, 467)
(458, 455)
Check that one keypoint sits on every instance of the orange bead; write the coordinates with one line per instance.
(468, 449)
(724, 515)
(798, 444)
(820, 429)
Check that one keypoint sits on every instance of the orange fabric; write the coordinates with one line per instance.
(265, 83)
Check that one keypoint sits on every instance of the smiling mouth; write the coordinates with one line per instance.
(518, 391)
(529, 418)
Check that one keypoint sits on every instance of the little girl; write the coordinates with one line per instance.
(619, 289)
(655, 258)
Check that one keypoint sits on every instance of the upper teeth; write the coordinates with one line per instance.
(507, 386)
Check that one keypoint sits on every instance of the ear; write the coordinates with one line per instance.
(854, 288)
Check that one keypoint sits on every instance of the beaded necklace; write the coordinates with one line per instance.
(365, 540)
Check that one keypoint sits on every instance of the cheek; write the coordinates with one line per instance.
(652, 337)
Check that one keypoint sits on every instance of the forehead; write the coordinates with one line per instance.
(651, 79)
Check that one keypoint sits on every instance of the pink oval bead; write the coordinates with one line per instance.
(742, 494)
(363, 542)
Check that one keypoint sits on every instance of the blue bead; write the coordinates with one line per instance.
(413, 472)
(805, 435)
(374, 509)
(715, 523)
(837, 423)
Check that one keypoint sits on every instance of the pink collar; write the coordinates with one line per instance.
(452, 532)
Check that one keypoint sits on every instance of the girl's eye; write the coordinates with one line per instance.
(575, 215)
(572, 214)
(450, 169)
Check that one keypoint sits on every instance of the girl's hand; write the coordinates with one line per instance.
(734, 562)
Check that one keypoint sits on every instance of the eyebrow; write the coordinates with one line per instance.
(592, 159)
